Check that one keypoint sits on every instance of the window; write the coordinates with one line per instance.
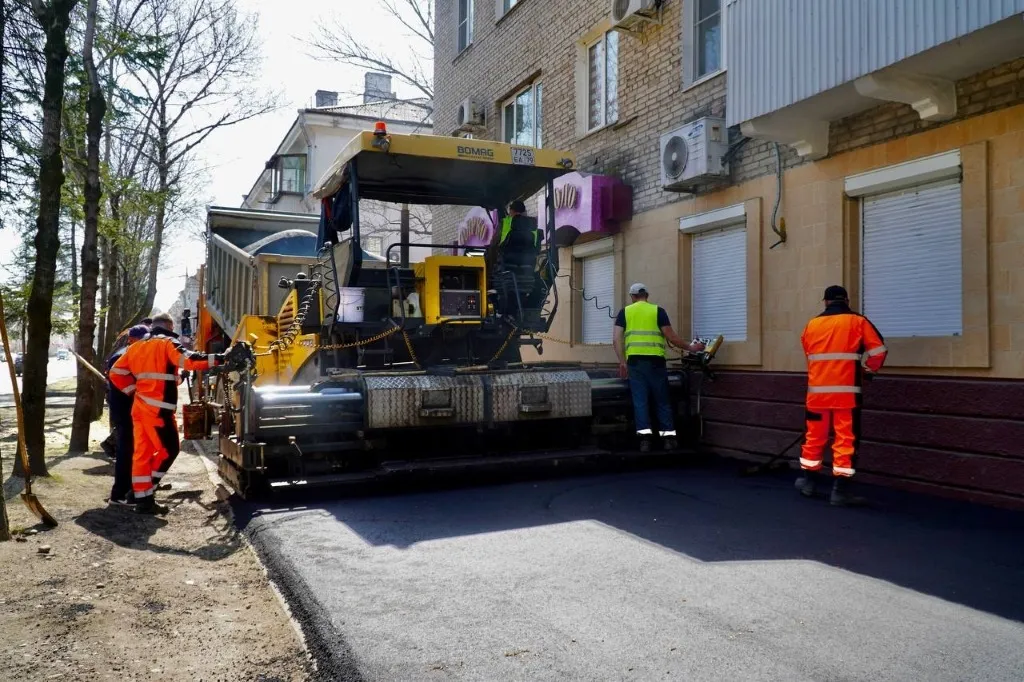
(465, 24)
(598, 298)
(521, 117)
(506, 5)
(720, 282)
(603, 81)
(911, 260)
(707, 37)
(288, 175)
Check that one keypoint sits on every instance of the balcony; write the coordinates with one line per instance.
(796, 65)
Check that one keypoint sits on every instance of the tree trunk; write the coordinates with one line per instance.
(104, 289)
(5, 524)
(163, 173)
(88, 397)
(54, 19)
(75, 291)
(115, 305)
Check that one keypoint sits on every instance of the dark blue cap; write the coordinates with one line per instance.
(139, 331)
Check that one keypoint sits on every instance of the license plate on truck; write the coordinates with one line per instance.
(522, 156)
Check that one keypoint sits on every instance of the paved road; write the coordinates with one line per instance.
(661, 575)
(55, 371)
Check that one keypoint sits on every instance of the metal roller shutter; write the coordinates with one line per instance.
(912, 278)
(720, 283)
(599, 288)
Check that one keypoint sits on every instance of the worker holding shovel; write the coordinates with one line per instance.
(120, 402)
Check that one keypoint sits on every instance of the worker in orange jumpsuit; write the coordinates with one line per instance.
(154, 363)
(840, 346)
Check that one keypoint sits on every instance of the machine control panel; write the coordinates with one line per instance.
(460, 303)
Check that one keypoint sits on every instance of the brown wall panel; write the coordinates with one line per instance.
(959, 437)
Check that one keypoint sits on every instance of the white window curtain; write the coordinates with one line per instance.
(598, 298)
(911, 261)
(720, 283)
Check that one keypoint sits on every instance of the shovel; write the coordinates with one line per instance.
(30, 500)
(98, 374)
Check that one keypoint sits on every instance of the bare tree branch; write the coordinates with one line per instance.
(335, 42)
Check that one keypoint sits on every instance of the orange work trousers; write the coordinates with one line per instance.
(156, 447)
(846, 423)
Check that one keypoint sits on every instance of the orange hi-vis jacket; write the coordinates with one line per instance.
(838, 344)
(154, 363)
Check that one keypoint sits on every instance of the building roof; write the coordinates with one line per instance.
(416, 111)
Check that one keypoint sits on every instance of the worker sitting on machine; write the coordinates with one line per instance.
(518, 249)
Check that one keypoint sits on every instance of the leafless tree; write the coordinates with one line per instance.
(334, 41)
(206, 82)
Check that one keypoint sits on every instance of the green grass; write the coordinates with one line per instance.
(64, 385)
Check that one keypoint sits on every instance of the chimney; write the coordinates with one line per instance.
(377, 87)
(326, 98)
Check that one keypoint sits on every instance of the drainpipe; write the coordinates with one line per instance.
(309, 154)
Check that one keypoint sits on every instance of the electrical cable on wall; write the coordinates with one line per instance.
(611, 315)
(779, 229)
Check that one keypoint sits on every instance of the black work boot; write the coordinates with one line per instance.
(841, 496)
(806, 484)
(148, 506)
(645, 444)
(669, 444)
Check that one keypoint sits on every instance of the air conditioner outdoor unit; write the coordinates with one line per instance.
(628, 14)
(470, 113)
(693, 154)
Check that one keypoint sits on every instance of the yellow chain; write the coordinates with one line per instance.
(412, 353)
(341, 346)
(505, 345)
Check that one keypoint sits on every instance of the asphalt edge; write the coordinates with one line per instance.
(329, 655)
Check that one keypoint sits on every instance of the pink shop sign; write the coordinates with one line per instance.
(588, 204)
(477, 227)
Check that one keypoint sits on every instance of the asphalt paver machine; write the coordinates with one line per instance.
(375, 366)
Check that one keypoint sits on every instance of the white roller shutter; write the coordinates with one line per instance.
(912, 275)
(720, 283)
(599, 303)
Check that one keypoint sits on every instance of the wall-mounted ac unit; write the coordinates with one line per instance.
(470, 113)
(630, 14)
(693, 154)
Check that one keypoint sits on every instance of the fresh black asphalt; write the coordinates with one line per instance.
(669, 574)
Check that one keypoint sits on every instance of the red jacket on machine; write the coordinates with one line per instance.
(154, 363)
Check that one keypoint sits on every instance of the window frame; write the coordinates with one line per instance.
(692, 23)
(536, 89)
(464, 23)
(594, 249)
(602, 39)
(277, 173)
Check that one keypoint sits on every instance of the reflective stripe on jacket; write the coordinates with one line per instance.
(838, 344)
(643, 336)
(154, 362)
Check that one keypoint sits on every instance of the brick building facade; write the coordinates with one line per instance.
(948, 414)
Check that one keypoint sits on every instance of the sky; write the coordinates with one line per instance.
(234, 156)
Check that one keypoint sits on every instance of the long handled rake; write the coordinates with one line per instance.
(30, 500)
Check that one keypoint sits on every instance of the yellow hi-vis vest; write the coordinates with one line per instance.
(506, 228)
(643, 336)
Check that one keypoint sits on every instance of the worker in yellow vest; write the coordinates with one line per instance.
(641, 331)
(515, 209)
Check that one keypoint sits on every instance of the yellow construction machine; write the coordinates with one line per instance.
(361, 366)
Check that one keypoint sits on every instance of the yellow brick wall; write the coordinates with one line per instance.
(821, 250)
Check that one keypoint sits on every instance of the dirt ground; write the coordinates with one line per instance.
(109, 594)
